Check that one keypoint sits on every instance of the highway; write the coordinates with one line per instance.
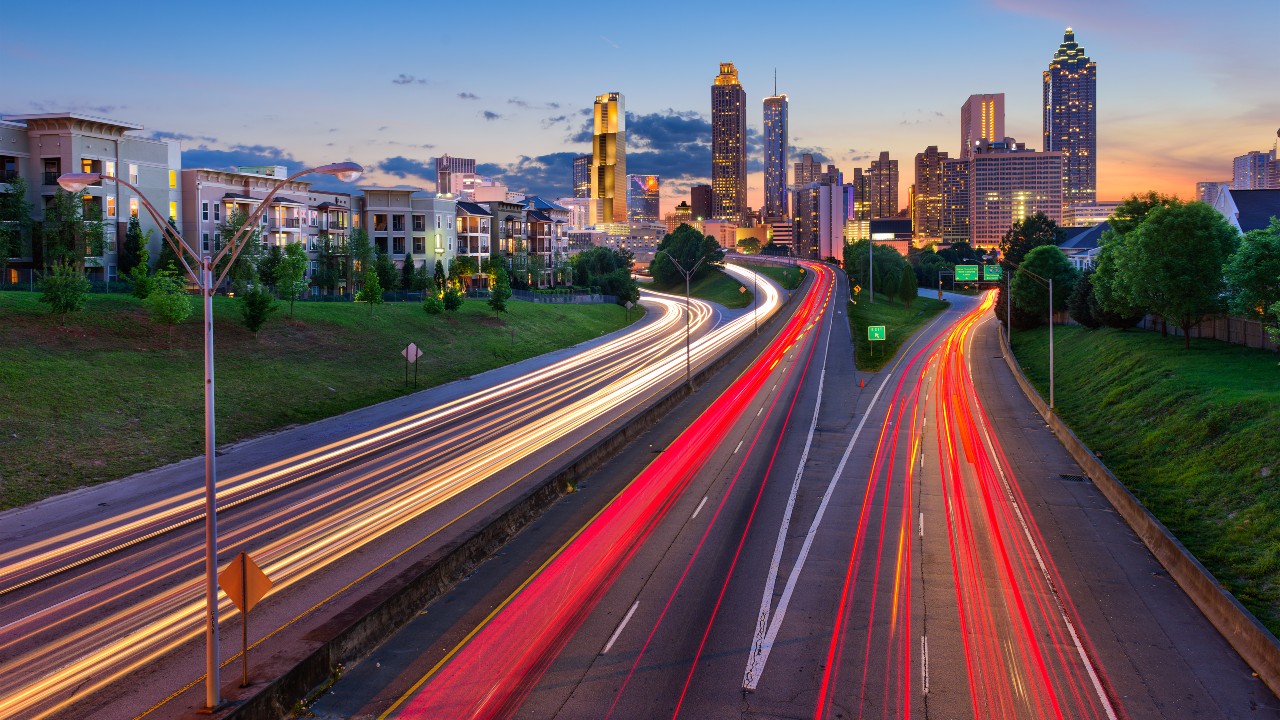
(805, 547)
(101, 603)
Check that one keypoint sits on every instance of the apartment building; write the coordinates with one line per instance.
(411, 223)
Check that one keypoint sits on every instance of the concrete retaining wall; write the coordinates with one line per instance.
(359, 629)
(1250, 638)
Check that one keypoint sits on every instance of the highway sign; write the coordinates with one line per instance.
(966, 273)
(411, 353)
(992, 272)
(857, 289)
(245, 583)
(875, 332)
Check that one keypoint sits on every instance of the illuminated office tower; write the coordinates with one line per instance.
(775, 157)
(582, 176)
(926, 208)
(728, 146)
(981, 120)
(642, 198)
(1071, 119)
(884, 187)
(609, 160)
(807, 171)
(1008, 183)
(955, 200)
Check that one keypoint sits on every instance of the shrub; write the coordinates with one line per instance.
(256, 305)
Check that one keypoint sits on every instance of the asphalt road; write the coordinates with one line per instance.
(921, 547)
(101, 594)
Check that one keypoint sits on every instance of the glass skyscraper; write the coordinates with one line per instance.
(642, 198)
(775, 157)
(582, 176)
(728, 146)
(1071, 119)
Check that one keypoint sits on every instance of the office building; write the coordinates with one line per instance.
(776, 203)
(1088, 214)
(681, 215)
(981, 121)
(642, 198)
(955, 200)
(1207, 192)
(1255, 170)
(609, 159)
(447, 167)
(1071, 119)
(700, 202)
(884, 187)
(807, 171)
(926, 203)
(582, 176)
(728, 146)
(820, 221)
(1008, 183)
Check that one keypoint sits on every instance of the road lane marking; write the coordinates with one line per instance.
(924, 665)
(695, 512)
(759, 411)
(613, 638)
(735, 450)
(921, 526)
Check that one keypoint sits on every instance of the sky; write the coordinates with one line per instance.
(392, 85)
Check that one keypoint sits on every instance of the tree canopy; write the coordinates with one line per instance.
(1031, 294)
(687, 246)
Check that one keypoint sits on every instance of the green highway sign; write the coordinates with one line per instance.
(875, 332)
(966, 273)
(992, 272)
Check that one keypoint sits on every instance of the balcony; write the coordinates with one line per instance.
(51, 178)
(287, 223)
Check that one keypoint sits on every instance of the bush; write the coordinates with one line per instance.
(432, 305)
(452, 299)
(168, 301)
(256, 305)
(64, 289)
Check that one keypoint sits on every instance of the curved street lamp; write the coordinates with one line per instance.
(688, 274)
(76, 182)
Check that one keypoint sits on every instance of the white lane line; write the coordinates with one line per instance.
(623, 624)
(921, 526)
(1035, 551)
(695, 512)
(735, 450)
(759, 411)
(924, 665)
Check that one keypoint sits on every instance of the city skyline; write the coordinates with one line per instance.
(1171, 113)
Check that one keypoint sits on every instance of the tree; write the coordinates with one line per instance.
(139, 276)
(1133, 210)
(887, 265)
(388, 273)
(291, 274)
(432, 304)
(64, 289)
(749, 246)
(907, 287)
(169, 259)
(132, 247)
(16, 222)
(500, 292)
(168, 301)
(256, 305)
(269, 264)
(360, 251)
(1082, 305)
(687, 246)
(1031, 294)
(453, 299)
(1253, 273)
(421, 279)
(1173, 263)
(244, 268)
(461, 270)
(607, 269)
(960, 253)
(406, 272)
(71, 231)
(331, 263)
(439, 277)
(1021, 238)
(371, 292)
(1115, 304)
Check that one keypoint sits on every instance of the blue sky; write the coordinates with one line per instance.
(1182, 88)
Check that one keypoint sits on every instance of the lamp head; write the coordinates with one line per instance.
(75, 182)
(344, 171)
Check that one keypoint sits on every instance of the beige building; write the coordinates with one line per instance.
(927, 197)
(1008, 183)
(411, 223)
(40, 148)
(981, 121)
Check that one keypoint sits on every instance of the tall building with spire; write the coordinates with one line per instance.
(1071, 119)
(609, 160)
(776, 203)
(981, 121)
(728, 146)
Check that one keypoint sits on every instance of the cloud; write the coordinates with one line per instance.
(468, 96)
(614, 44)
(819, 154)
(55, 107)
(162, 135)
(491, 116)
(403, 167)
(237, 155)
(403, 79)
(548, 175)
(518, 102)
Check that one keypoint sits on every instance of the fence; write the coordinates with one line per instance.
(1235, 330)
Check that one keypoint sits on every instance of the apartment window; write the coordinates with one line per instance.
(397, 246)
(133, 174)
(217, 239)
(419, 223)
(419, 246)
(439, 243)
(111, 272)
(381, 244)
(111, 207)
(52, 169)
(397, 223)
(204, 210)
(315, 266)
(173, 179)
(379, 223)
(8, 168)
(439, 221)
(109, 168)
(173, 211)
(217, 212)
(311, 242)
(204, 242)
(133, 207)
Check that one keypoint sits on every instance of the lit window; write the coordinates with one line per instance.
(173, 211)
(111, 207)
(109, 168)
(133, 207)
(133, 174)
(173, 179)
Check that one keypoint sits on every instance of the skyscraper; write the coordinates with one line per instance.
(728, 146)
(981, 120)
(1255, 170)
(775, 157)
(884, 187)
(1071, 119)
(582, 176)
(447, 167)
(926, 209)
(642, 198)
(955, 200)
(700, 202)
(807, 171)
(1008, 183)
(609, 159)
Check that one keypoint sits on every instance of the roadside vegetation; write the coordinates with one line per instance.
(787, 276)
(1192, 434)
(113, 388)
(901, 321)
(700, 253)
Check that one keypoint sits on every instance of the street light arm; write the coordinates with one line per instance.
(176, 243)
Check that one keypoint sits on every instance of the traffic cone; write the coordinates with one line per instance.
(862, 382)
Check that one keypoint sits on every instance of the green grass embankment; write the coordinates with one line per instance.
(900, 322)
(1194, 434)
(109, 395)
(786, 276)
(716, 286)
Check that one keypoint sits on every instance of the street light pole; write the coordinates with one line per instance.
(1051, 343)
(688, 274)
(1049, 283)
(204, 280)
